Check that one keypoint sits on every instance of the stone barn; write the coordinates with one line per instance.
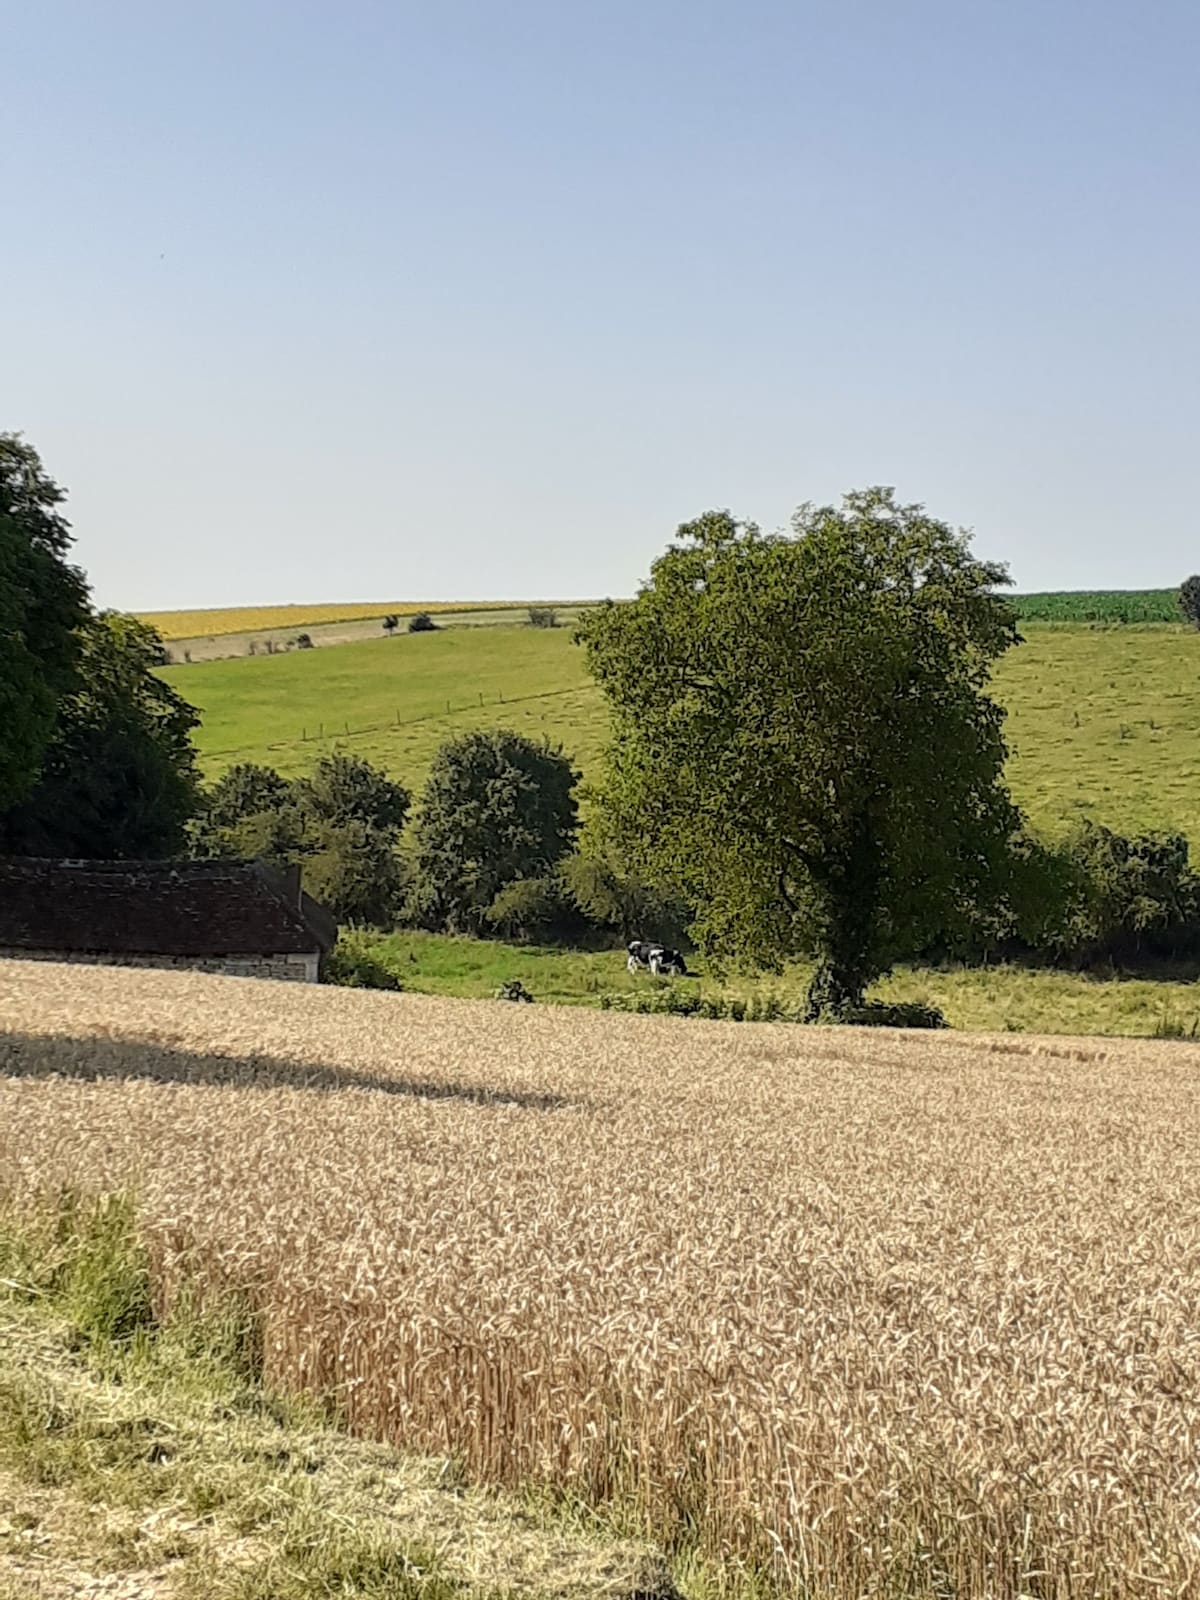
(242, 918)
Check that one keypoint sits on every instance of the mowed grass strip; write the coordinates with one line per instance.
(877, 1313)
(217, 620)
(1103, 723)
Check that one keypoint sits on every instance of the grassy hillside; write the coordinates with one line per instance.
(1104, 723)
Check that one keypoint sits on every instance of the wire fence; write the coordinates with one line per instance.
(319, 732)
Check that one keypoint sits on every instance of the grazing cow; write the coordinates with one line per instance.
(655, 958)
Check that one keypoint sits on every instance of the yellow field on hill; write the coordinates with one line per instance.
(242, 619)
(887, 1313)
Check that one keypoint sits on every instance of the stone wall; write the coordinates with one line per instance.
(290, 968)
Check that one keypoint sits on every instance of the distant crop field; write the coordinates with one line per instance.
(884, 1314)
(245, 619)
(1103, 723)
(1100, 605)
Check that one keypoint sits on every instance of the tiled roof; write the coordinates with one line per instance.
(160, 908)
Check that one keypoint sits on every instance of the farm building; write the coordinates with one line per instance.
(242, 918)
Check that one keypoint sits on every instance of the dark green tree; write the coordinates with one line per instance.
(43, 601)
(118, 779)
(341, 825)
(804, 743)
(349, 789)
(1189, 600)
(497, 807)
(243, 791)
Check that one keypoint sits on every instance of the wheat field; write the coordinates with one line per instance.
(873, 1313)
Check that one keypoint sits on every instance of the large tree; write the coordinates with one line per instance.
(804, 743)
(498, 807)
(43, 600)
(118, 779)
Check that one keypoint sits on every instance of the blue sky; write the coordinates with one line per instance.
(464, 300)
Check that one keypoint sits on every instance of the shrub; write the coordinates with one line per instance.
(543, 616)
(422, 622)
(530, 908)
(1189, 600)
(351, 965)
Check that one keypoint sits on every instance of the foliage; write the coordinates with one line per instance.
(528, 908)
(543, 616)
(348, 789)
(351, 965)
(1189, 600)
(341, 824)
(611, 896)
(422, 622)
(43, 603)
(1111, 606)
(242, 791)
(804, 745)
(119, 777)
(498, 807)
(1133, 897)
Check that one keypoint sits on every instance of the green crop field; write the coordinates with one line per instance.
(1104, 723)
(1099, 605)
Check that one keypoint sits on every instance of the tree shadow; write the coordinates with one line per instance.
(90, 1059)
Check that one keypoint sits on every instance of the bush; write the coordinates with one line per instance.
(422, 622)
(351, 965)
(620, 901)
(543, 616)
(667, 1000)
(898, 1014)
(1189, 600)
(530, 908)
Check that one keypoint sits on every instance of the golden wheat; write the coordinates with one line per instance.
(886, 1314)
(247, 619)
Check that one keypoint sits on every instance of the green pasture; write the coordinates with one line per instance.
(984, 999)
(1104, 723)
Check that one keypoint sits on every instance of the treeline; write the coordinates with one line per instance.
(494, 847)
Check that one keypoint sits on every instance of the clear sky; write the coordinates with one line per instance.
(471, 299)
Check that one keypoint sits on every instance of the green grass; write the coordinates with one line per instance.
(399, 698)
(1104, 723)
(1099, 605)
(142, 1449)
(985, 999)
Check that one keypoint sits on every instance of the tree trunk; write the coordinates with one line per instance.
(848, 959)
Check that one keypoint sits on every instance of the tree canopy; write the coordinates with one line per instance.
(118, 779)
(804, 745)
(341, 824)
(498, 807)
(43, 601)
(1189, 599)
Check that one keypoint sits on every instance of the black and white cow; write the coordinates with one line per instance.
(656, 958)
